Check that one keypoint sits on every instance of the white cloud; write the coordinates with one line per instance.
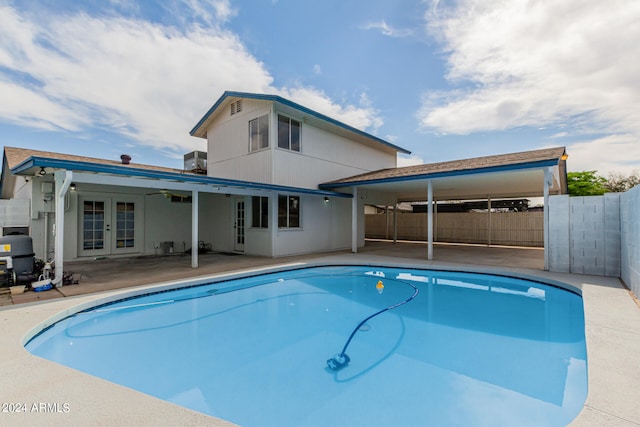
(386, 29)
(363, 116)
(317, 69)
(201, 8)
(144, 80)
(614, 153)
(409, 160)
(518, 63)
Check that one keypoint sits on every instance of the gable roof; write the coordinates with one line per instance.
(200, 129)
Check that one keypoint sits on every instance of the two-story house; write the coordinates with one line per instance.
(281, 179)
(266, 157)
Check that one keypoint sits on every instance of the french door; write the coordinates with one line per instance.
(109, 226)
(239, 224)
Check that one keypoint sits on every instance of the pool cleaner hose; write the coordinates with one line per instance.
(341, 359)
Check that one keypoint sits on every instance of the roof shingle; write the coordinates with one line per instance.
(455, 166)
(16, 156)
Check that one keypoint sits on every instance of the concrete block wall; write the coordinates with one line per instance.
(612, 243)
(559, 253)
(630, 239)
(584, 234)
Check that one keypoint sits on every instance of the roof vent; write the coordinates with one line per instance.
(196, 162)
(236, 107)
(126, 159)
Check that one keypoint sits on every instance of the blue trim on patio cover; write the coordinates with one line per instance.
(490, 169)
(44, 162)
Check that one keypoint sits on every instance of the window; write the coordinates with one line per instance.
(288, 211)
(288, 133)
(259, 133)
(125, 225)
(259, 212)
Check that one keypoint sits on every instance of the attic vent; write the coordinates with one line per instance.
(236, 107)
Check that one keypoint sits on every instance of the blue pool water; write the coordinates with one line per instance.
(469, 349)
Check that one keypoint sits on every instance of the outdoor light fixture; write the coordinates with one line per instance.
(42, 172)
(564, 156)
(326, 200)
(72, 187)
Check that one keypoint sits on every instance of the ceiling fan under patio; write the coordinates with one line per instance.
(169, 195)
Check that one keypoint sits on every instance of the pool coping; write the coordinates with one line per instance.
(612, 328)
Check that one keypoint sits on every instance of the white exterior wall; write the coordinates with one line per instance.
(325, 157)
(14, 213)
(630, 239)
(216, 222)
(228, 153)
(157, 220)
(324, 227)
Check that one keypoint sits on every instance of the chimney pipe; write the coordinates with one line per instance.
(125, 159)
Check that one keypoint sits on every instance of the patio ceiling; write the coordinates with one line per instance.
(527, 183)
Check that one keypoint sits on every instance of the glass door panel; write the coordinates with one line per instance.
(95, 234)
(125, 225)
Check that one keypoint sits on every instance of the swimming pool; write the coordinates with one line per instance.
(469, 349)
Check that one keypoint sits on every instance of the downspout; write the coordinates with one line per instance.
(63, 181)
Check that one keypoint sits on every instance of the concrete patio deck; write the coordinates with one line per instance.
(117, 273)
(612, 322)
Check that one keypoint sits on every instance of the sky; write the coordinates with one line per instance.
(444, 79)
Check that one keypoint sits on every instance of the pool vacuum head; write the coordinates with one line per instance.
(338, 362)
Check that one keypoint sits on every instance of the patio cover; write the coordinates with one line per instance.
(508, 175)
(537, 173)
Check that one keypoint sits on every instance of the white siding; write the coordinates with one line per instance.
(228, 145)
(166, 222)
(324, 227)
(216, 221)
(324, 156)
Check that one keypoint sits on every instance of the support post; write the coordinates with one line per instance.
(489, 221)
(429, 220)
(273, 223)
(194, 228)
(386, 222)
(395, 223)
(354, 221)
(435, 219)
(548, 177)
(63, 181)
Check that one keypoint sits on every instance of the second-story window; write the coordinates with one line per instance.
(259, 133)
(288, 133)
